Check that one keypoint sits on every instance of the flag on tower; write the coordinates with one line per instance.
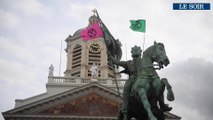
(92, 32)
(138, 25)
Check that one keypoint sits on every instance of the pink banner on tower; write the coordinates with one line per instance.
(93, 31)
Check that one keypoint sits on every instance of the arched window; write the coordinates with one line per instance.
(76, 60)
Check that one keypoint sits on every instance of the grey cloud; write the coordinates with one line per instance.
(192, 82)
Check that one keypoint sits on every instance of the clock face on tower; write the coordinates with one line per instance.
(94, 48)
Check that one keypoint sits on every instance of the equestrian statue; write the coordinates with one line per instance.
(143, 92)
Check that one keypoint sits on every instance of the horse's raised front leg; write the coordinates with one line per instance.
(142, 93)
(170, 94)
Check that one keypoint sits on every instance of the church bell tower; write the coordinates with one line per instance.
(82, 54)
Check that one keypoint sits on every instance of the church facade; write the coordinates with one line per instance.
(82, 93)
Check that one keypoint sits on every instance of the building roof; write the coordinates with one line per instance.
(37, 108)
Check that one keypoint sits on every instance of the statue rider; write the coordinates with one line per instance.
(130, 68)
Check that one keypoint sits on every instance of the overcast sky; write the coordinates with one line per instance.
(31, 32)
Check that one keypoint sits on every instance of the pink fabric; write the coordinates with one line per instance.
(91, 32)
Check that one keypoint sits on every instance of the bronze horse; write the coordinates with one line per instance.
(148, 87)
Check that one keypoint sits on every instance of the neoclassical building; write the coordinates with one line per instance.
(77, 95)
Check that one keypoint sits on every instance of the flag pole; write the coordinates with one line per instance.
(126, 51)
(143, 43)
(60, 60)
(95, 11)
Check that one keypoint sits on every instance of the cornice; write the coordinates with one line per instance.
(59, 117)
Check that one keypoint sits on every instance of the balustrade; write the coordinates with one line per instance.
(74, 80)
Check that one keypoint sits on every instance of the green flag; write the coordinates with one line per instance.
(138, 25)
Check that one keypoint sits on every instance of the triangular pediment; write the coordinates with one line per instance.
(90, 100)
(92, 104)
